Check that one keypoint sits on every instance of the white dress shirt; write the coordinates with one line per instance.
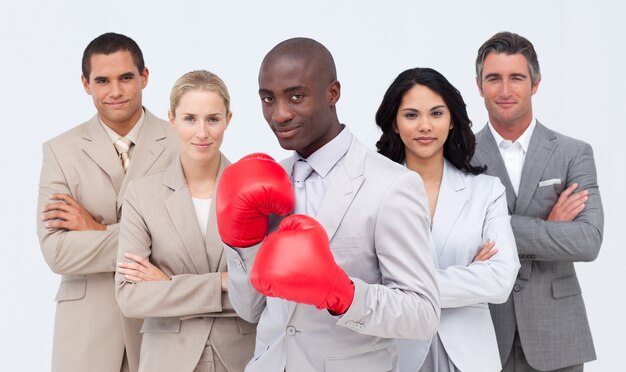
(514, 153)
(202, 208)
(133, 135)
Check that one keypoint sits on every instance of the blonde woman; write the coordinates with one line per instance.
(171, 270)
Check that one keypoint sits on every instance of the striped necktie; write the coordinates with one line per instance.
(122, 146)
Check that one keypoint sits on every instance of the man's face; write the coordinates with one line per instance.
(297, 104)
(507, 88)
(115, 85)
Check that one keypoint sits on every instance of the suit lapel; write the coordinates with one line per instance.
(181, 211)
(147, 150)
(217, 260)
(99, 148)
(343, 188)
(542, 144)
(450, 202)
(487, 152)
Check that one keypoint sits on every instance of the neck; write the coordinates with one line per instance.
(511, 131)
(200, 175)
(431, 170)
(122, 127)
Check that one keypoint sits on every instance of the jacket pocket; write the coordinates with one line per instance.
(373, 361)
(161, 325)
(245, 327)
(71, 290)
(565, 287)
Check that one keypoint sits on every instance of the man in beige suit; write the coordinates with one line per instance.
(83, 178)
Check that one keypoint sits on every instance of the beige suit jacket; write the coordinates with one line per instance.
(82, 162)
(159, 223)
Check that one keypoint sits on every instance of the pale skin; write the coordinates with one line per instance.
(200, 121)
(507, 88)
(423, 123)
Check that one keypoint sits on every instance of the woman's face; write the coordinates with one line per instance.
(423, 123)
(200, 121)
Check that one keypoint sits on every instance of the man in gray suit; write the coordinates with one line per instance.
(373, 232)
(555, 208)
(83, 180)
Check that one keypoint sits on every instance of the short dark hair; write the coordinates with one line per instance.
(461, 142)
(509, 43)
(110, 43)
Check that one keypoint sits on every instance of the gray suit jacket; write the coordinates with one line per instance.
(471, 210)
(546, 306)
(159, 223)
(376, 217)
(82, 162)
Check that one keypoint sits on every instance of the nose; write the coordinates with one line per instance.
(424, 125)
(282, 113)
(116, 89)
(202, 131)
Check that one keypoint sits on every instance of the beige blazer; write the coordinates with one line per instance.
(159, 222)
(82, 162)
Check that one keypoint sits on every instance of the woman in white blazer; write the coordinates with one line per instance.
(172, 271)
(425, 126)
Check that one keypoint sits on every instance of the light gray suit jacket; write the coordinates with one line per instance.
(546, 306)
(471, 210)
(376, 217)
(82, 162)
(159, 223)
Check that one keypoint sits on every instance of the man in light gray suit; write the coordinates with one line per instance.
(555, 208)
(374, 234)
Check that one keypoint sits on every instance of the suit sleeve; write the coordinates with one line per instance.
(484, 281)
(185, 296)
(71, 252)
(406, 303)
(578, 240)
(248, 303)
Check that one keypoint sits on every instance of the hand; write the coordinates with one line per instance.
(486, 252)
(66, 213)
(295, 263)
(248, 192)
(140, 270)
(568, 205)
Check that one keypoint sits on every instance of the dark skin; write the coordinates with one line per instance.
(299, 91)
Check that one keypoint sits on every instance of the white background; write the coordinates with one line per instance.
(582, 53)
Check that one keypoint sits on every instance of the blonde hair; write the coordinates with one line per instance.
(198, 80)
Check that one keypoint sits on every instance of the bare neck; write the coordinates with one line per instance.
(200, 175)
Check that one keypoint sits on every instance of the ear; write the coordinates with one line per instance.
(171, 117)
(480, 87)
(228, 117)
(535, 86)
(334, 92)
(85, 84)
(394, 125)
(144, 77)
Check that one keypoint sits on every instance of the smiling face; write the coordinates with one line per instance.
(298, 103)
(200, 121)
(423, 122)
(507, 89)
(115, 84)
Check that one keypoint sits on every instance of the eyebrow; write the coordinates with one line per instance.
(432, 108)
(126, 74)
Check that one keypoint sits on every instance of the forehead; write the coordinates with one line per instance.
(505, 64)
(114, 64)
(201, 100)
(420, 95)
(280, 73)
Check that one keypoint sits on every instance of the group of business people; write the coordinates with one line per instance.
(444, 251)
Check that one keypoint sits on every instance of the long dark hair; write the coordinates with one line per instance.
(461, 142)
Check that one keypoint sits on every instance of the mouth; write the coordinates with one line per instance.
(505, 104)
(425, 140)
(202, 146)
(116, 104)
(286, 132)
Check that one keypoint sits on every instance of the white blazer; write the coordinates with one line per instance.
(471, 210)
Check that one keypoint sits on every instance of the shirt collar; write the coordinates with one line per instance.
(326, 157)
(523, 140)
(133, 135)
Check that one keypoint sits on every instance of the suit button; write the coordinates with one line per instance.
(291, 330)
(516, 288)
(350, 323)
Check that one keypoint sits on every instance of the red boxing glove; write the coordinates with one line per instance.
(247, 193)
(295, 263)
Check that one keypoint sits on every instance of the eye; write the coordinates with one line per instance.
(126, 78)
(296, 98)
(437, 114)
(410, 115)
(189, 118)
(267, 99)
(101, 81)
(213, 120)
